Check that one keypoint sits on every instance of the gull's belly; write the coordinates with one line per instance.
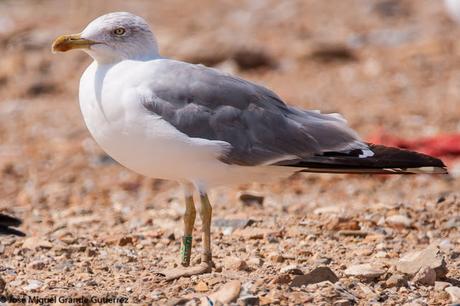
(136, 139)
(146, 156)
(146, 145)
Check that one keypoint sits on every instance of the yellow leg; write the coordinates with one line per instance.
(206, 216)
(189, 220)
(187, 239)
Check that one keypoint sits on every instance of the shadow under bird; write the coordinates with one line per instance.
(6, 224)
(201, 127)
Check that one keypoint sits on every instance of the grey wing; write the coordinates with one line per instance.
(261, 129)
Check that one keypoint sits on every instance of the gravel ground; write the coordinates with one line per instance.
(97, 229)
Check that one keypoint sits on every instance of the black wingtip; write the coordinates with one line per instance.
(9, 221)
(6, 222)
(5, 230)
(385, 160)
(407, 158)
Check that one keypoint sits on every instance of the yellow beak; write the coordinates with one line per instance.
(69, 42)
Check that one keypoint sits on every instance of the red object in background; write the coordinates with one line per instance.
(445, 147)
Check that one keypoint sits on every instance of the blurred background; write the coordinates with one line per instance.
(391, 67)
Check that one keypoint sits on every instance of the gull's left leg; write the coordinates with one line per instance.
(206, 217)
(206, 258)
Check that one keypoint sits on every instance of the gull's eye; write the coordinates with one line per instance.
(119, 31)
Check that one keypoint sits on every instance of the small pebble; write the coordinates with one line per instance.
(235, 263)
(33, 285)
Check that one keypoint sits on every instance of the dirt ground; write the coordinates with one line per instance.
(97, 229)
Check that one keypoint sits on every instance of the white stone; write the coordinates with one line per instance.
(399, 221)
(364, 270)
(454, 293)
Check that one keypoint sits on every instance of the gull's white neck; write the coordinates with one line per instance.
(142, 51)
(107, 62)
(110, 60)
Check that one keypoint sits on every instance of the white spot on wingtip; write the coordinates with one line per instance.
(366, 153)
(428, 170)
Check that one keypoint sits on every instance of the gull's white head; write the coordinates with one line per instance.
(112, 38)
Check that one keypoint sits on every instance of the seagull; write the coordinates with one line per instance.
(203, 128)
(5, 225)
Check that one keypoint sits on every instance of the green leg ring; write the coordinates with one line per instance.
(186, 250)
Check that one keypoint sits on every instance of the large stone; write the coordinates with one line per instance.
(430, 257)
(318, 275)
(454, 293)
(364, 271)
(399, 221)
(425, 276)
(227, 293)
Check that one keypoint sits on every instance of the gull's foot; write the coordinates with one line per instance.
(202, 268)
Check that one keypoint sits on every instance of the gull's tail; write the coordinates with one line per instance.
(385, 160)
(6, 222)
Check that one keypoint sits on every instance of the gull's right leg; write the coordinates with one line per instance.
(189, 223)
